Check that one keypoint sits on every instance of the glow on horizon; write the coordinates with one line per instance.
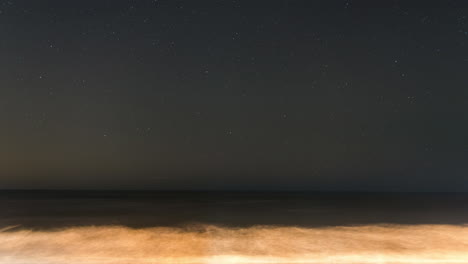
(220, 245)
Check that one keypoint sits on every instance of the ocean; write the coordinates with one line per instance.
(97, 227)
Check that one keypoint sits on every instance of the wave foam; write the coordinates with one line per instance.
(218, 245)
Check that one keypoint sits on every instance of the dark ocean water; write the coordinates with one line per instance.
(57, 209)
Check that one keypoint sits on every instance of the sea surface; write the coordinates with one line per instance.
(55, 209)
(120, 227)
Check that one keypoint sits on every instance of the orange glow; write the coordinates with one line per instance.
(216, 245)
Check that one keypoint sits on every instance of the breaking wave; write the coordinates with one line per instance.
(219, 245)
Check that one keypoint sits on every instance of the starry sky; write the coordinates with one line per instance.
(234, 95)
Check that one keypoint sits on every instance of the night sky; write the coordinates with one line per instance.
(238, 95)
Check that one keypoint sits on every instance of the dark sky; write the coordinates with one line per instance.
(302, 95)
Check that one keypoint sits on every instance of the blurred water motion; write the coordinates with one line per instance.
(217, 245)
